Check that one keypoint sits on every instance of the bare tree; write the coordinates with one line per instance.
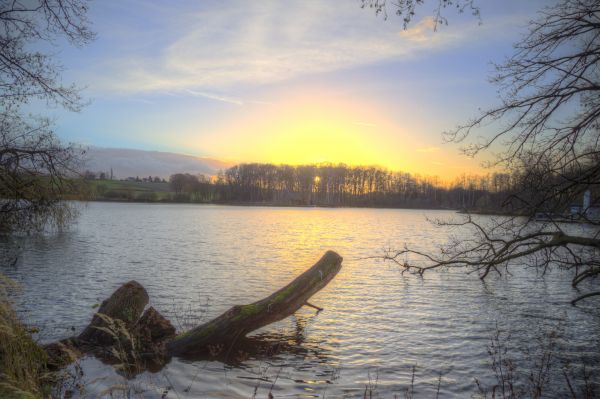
(406, 9)
(34, 175)
(34, 165)
(547, 129)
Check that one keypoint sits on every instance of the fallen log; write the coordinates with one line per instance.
(240, 320)
(117, 325)
(153, 335)
(126, 304)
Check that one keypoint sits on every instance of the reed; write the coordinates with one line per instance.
(23, 363)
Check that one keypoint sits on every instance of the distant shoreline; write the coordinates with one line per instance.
(162, 192)
(263, 204)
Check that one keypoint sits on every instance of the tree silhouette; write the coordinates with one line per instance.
(34, 165)
(406, 9)
(547, 126)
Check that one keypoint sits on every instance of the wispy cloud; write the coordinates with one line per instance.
(215, 97)
(226, 99)
(221, 48)
(422, 32)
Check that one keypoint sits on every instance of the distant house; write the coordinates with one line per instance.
(593, 213)
(586, 210)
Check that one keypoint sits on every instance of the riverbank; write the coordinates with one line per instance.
(23, 363)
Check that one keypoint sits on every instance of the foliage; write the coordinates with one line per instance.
(322, 185)
(196, 186)
(342, 185)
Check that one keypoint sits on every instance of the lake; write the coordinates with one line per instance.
(196, 261)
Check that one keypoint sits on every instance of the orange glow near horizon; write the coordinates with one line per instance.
(318, 128)
(307, 129)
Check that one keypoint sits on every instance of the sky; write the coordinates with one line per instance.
(288, 82)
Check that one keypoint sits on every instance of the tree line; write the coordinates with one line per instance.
(342, 185)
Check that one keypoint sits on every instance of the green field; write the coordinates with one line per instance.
(122, 190)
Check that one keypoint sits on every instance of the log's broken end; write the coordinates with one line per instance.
(125, 304)
(240, 320)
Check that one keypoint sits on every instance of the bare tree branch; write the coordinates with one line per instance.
(35, 168)
(546, 135)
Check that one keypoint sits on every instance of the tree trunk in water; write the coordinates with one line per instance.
(118, 320)
(240, 320)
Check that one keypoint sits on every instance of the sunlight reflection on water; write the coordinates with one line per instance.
(377, 323)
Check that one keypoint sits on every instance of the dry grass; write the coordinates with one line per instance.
(23, 372)
(536, 373)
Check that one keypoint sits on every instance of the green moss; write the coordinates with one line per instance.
(127, 314)
(250, 310)
(203, 332)
(183, 334)
(246, 311)
(209, 329)
(284, 294)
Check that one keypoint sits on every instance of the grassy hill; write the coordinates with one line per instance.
(124, 190)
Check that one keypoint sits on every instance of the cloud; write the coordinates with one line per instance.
(428, 150)
(222, 48)
(227, 99)
(215, 97)
(422, 32)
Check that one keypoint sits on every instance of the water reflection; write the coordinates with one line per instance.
(375, 320)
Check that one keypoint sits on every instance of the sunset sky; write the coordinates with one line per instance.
(287, 82)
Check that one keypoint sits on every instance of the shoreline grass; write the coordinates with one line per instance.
(23, 363)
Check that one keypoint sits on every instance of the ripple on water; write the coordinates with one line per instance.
(377, 324)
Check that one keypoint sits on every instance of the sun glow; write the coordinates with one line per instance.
(313, 137)
(320, 127)
(306, 129)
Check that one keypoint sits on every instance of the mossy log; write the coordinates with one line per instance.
(119, 317)
(240, 320)
(126, 304)
(119, 323)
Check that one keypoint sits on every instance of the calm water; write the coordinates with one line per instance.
(377, 323)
